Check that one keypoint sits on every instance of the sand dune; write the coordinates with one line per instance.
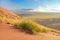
(9, 33)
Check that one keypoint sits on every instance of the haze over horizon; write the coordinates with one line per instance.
(35, 5)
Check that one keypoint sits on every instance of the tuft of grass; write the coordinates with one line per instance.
(44, 30)
(28, 27)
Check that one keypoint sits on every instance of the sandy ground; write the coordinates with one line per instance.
(8, 33)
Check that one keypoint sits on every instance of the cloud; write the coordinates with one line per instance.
(47, 8)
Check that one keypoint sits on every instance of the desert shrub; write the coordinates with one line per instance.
(28, 27)
(44, 30)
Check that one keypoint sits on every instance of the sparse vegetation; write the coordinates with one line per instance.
(8, 20)
(28, 27)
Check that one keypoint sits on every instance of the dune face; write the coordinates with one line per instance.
(8, 33)
(8, 14)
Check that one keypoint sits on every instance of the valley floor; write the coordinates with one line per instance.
(9, 33)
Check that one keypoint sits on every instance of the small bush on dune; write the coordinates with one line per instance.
(44, 30)
(28, 27)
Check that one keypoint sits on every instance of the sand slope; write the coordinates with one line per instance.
(9, 33)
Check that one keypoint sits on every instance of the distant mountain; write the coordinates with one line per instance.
(29, 11)
(23, 12)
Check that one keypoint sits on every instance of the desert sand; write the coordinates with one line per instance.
(7, 32)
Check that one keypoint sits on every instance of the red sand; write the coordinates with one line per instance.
(8, 33)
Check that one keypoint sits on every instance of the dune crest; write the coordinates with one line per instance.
(4, 12)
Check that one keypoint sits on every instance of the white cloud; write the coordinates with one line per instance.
(47, 8)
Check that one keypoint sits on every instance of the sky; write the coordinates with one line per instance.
(35, 5)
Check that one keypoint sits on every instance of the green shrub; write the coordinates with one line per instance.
(28, 27)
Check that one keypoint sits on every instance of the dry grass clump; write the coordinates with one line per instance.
(28, 27)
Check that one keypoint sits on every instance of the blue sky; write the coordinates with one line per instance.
(36, 5)
(22, 3)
